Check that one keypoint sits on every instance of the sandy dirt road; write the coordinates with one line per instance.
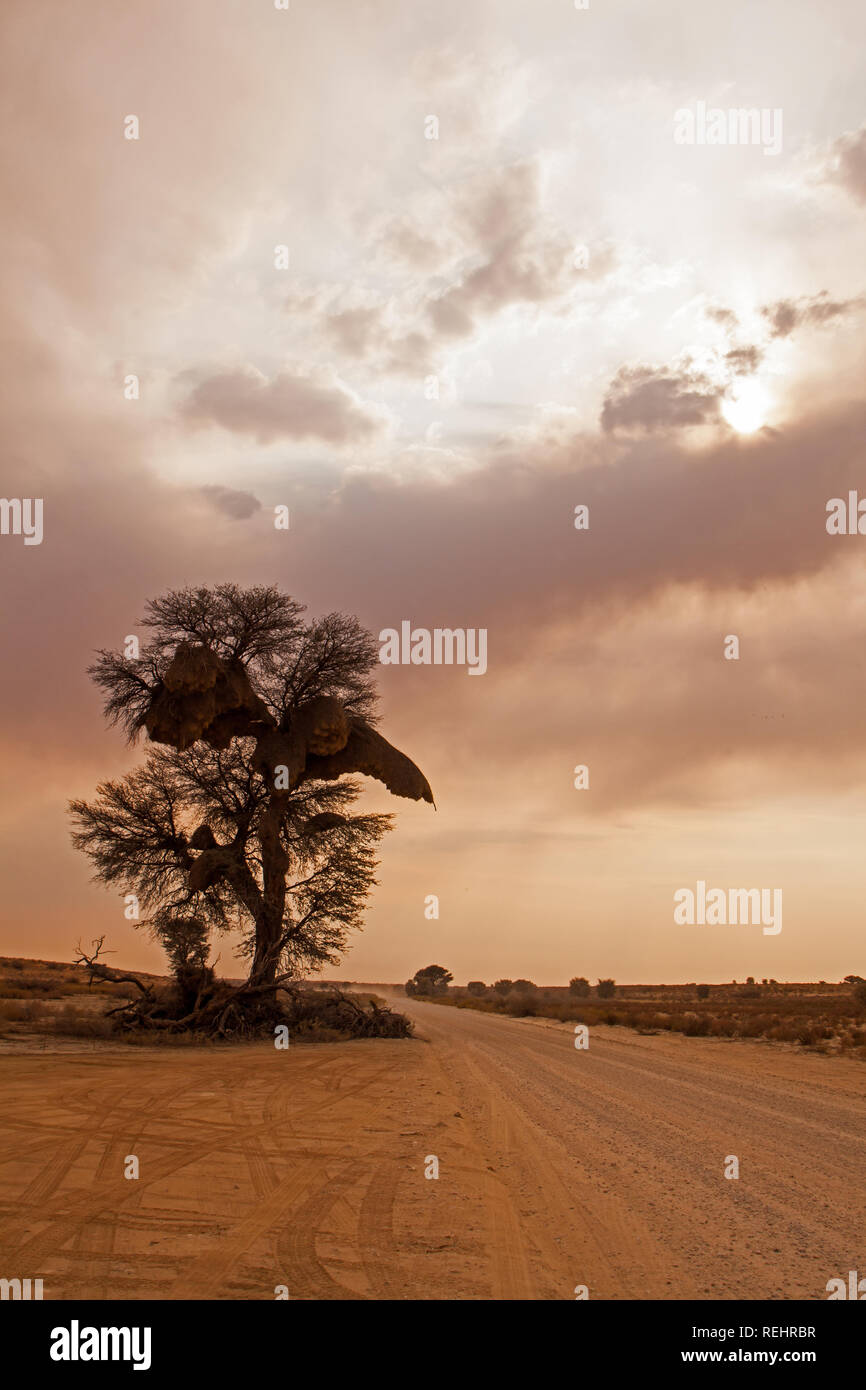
(557, 1167)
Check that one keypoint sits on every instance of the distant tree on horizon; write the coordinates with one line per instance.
(579, 987)
(433, 979)
(606, 989)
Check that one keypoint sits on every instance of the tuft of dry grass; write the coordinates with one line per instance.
(72, 1021)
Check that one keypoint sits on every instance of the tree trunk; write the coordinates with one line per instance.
(275, 867)
(265, 959)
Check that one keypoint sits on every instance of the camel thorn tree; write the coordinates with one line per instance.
(241, 816)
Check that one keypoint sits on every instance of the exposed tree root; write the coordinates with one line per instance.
(248, 1010)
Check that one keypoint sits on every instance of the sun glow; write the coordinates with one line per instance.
(747, 410)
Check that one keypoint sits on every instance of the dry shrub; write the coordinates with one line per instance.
(523, 1003)
(74, 1022)
(725, 1027)
(696, 1025)
(22, 1010)
(784, 1032)
(329, 1018)
(467, 1001)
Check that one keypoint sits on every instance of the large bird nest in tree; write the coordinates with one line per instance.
(202, 696)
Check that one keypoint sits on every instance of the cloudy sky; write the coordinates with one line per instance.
(506, 291)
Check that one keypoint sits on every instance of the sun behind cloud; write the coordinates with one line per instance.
(747, 411)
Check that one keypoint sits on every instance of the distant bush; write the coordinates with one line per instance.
(579, 987)
(606, 989)
(503, 986)
(477, 987)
